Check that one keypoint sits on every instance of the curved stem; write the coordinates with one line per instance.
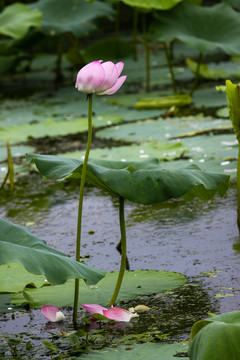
(124, 251)
(80, 205)
(170, 67)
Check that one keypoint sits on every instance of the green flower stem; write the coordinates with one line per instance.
(80, 206)
(170, 67)
(124, 251)
(195, 84)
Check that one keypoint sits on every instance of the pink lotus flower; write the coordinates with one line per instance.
(101, 78)
(52, 313)
(114, 313)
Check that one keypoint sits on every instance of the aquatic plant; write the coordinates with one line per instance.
(233, 97)
(101, 78)
(216, 338)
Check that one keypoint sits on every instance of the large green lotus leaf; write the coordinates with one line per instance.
(52, 128)
(143, 182)
(16, 19)
(233, 97)
(17, 244)
(152, 4)
(135, 283)
(163, 129)
(162, 150)
(216, 338)
(215, 71)
(60, 16)
(150, 351)
(202, 28)
(14, 278)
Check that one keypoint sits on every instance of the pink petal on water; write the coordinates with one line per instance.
(118, 314)
(52, 313)
(115, 87)
(94, 308)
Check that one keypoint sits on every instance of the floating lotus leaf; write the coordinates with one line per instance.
(161, 150)
(202, 28)
(162, 129)
(14, 278)
(150, 351)
(216, 338)
(135, 283)
(19, 245)
(221, 70)
(16, 19)
(60, 16)
(143, 182)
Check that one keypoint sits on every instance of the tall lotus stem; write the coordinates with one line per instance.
(80, 206)
(170, 67)
(124, 251)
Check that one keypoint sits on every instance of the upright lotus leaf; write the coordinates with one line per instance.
(19, 245)
(216, 338)
(61, 16)
(202, 28)
(141, 182)
(233, 97)
(152, 4)
(16, 19)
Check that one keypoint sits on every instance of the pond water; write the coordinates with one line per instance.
(198, 239)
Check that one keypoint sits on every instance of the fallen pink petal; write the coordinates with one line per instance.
(94, 308)
(101, 78)
(52, 313)
(114, 313)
